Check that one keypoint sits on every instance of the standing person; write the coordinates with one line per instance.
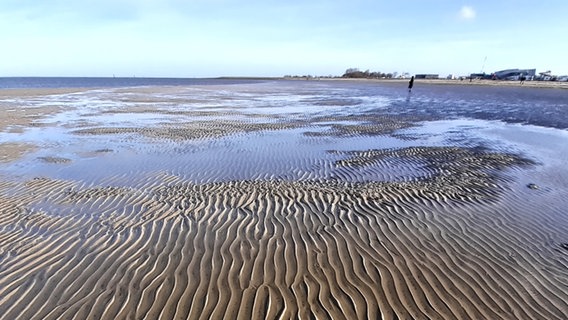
(410, 84)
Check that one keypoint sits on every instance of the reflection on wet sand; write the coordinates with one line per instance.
(219, 202)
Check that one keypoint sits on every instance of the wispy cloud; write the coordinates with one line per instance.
(467, 13)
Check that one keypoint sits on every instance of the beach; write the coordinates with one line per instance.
(284, 199)
(463, 81)
(507, 83)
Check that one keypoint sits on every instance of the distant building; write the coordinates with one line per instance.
(426, 76)
(545, 76)
(548, 76)
(514, 74)
(479, 76)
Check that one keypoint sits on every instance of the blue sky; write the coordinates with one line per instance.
(209, 38)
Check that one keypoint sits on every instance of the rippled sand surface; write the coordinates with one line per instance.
(284, 200)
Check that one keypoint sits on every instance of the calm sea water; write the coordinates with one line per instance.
(93, 82)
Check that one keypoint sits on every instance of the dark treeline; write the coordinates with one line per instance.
(356, 73)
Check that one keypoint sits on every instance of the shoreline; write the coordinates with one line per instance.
(465, 82)
(28, 91)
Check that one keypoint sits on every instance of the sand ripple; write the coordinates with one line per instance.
(441, 246)
(190, 131)
(216, 202)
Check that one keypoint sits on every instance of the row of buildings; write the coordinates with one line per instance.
(508, 74)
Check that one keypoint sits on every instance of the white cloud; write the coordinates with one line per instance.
(467, 13)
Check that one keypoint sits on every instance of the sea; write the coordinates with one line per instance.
(107, 82)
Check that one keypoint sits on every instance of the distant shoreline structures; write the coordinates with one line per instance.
(504, 75)
(23, 84)
(438, 81)
(508, 77)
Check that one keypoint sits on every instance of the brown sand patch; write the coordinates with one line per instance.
(371, 124)
(269, 249)
(13, 151)
(381, 128)
(455, 243)
(191, 130)
(192, 113)
(17, 110)
(447, 172)
(55, 160)
(16, 118)
(136, 110)
(36, 92)
(215, 128)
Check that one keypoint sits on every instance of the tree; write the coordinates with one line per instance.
(356, 73)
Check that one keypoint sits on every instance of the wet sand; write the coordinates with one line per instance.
(118, 217)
